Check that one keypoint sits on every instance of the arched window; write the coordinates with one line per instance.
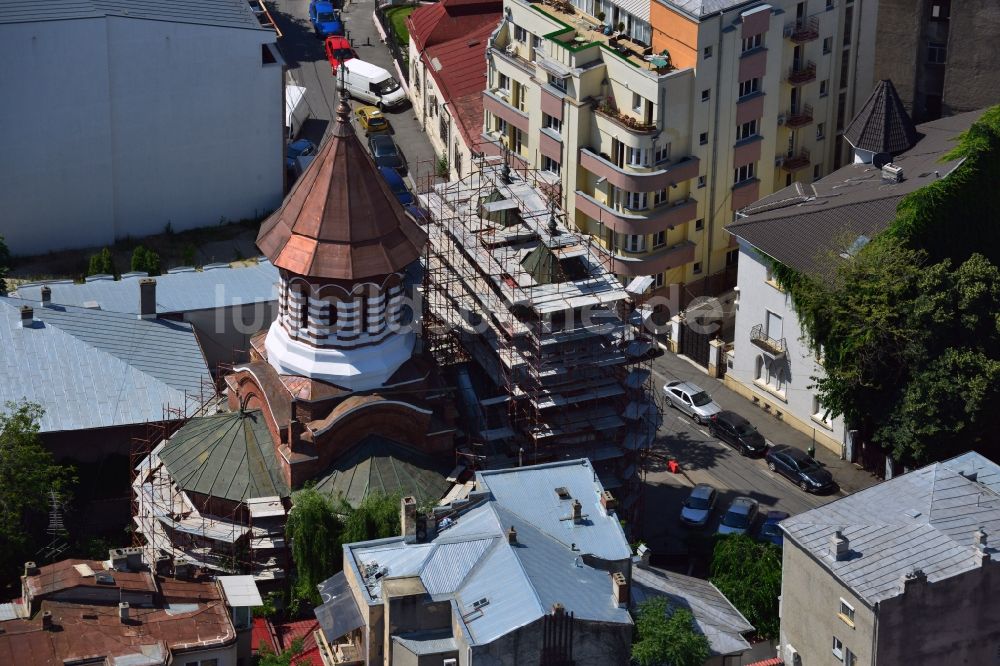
(759, 369)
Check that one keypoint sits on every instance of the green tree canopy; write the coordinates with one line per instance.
(748, 572)
(667, 636)
(315, 532)
(102, 263)
(266, 657)
(377, 517)
(144, 259)
(27, 474)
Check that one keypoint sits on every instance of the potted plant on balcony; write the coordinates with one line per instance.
(607, 106)
(621, 29)
(601, 16)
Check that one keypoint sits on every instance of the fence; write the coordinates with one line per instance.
(399, 53)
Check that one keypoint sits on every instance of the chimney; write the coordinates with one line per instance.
(979, 544)
(609, 502)
(123, 612)
(408, 518)
(147, 298)
(912, 579)
(512, 535)
(577, 511)
(27, 316)
(30, 569)
(619, 588)
(840, 547)
(558, 608)
(46, 295)
(47, 620)
(182, 569)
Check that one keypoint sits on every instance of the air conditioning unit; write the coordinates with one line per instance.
(449, 662)
(788, 30)
(510, 50)
(892, 173)
(792, 657)
(778, 161)
(781, 120)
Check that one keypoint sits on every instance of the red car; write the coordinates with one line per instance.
(338, 50)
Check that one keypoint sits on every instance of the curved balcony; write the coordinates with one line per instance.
(623, 121)
(635, 265)
(639, 181)
(650, 221)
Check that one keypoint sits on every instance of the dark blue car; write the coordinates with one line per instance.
(325, 19)
(397, 185)
(770, 531)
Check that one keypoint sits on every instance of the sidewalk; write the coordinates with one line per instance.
(849, 477)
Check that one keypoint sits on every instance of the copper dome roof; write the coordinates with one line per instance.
(341, 221)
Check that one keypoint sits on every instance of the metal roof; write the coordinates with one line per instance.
(95, 369)
(229, 455)
(715, 616)
(926, 520)
(241, 591)
(703, 8)
(179, 290)
(221, 13)
(339, 613)
(882, 125)
(427, 642)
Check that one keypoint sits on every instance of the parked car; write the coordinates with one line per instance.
(733, 429)
(371, 120)
(298, 148)
(740, 516)
(770, 531)
(338, 50)
(699, 505)
(691, 400)
(397, 185)
(325, 19)
(799, 468)
(385, 153)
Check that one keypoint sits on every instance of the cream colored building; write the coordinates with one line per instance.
(655, 158)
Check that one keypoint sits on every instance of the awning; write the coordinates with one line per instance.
(339, 614)
(639, 285)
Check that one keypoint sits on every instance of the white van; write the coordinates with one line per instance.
(370, 83)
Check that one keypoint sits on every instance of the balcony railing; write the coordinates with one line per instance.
(774, 348)
(799, 117)
(795, 161)
(626, 121)
(803, 30)
(802, 73)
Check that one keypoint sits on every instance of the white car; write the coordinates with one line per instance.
(699, 505)
(739, 517)
(691, 400)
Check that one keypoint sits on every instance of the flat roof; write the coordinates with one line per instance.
(219, 13)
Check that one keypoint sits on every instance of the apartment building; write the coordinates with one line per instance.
(658, 132)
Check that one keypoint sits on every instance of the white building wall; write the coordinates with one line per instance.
(787, 387)
(116, 127)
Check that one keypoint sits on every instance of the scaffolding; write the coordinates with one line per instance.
(509, 285)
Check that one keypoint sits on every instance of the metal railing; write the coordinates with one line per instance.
(760, 339)
(399, 53)
(800, 117)
(802, 73)
(803, 30)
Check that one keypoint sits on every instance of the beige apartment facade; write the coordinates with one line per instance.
(655, 139)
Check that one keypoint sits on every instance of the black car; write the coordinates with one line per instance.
(733, 429)
(799, 468)
(385, 153)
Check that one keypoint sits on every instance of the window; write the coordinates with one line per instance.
(517, 96)
(443, 128)
(755, 42)
(758, 369)
(850, 659)
(749, 86)
(635, 243)
(699, 224)
(707, 53)
(557, 82)
(821, 415)
(503, 83)
(848, 24)
(936, 52)
(696, 268)
(746, 130)
(637, 157)
(827, 44)
(701, 181)
(732, 258)
(838, 648)
(638, 103)
(635, 200)
(829, 4)
(824, 87)
(518, 141)
(520, 34)
(703, 138)
(772, 325)
(820, 131)
(705, 95)
(267, 52)
(551, 123)
(536, 41)
(845, 67)
(658, 280)
(661, 153)
(817, 172)
(499, 125)
(743, 173)
(940, 11)
(846, 610)
(660, 197)
(550, 165)
(659, 238)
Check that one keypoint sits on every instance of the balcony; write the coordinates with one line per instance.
(795, 161)
(802, 73)
(647, 180)
(634, 265)
(637, 222)
(803, 30)
(770, 346)
(799, 117)
(623, 120)
(511, 53)
(499, 106)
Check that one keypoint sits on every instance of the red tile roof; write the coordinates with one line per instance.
(262, 632)
(773, 661)
(451, 19)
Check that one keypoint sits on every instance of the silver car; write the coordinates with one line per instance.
(699, 505)
(740, 516)
(691, 400)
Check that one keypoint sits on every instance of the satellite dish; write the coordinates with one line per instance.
(881, 159)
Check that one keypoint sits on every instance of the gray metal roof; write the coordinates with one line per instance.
(177, 291)
(715, 616)
(95, 369)
(427, 642)
(925, 520)
(223, 13)
(471, 560)
(704, 8)
(228, 455)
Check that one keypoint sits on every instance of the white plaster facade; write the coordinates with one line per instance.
(116, 126)
(783, 383)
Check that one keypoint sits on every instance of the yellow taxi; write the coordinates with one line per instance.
(371, 119)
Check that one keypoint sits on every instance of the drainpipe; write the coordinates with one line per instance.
(707, 257)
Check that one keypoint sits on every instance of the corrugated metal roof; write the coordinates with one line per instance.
(95, 369)
(530, 493)
(450, 563)
(183, 290)
(222, 13)
(426, 642)
(926, 520)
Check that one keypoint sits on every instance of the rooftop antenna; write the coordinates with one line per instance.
(56, 529)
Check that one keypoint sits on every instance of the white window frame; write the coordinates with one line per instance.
(635, 242)
(744, 173)
(746, 130)
(549, 122)
(659, 239)
(837, 647)
(749, 87)
(751, 43)
(638, 102)
(660, 197)
(637, 157)
(557, 82)
(658, 280)
(499, 125)
(636, 200)
(550, 165)
(846, 612)
(503, 84)
(520, 34)
(661, 154)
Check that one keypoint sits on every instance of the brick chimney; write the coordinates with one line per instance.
(577, 511)
(979, 544)
(609, 502)
(27, 316)
(47, 620)
(619, 588)
(408, 518)
(913, 579)
(147, 298)
(30, 569)
(840, 547)
(512, 535)
(123, 612)
(46, 295)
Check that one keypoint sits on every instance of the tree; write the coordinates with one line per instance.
(265, 657)
(4, 266)
(667, 635)
(101, 263)
(27, 474)
(377, 517)
(144, 259)
(315, 532)
(748, 572)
